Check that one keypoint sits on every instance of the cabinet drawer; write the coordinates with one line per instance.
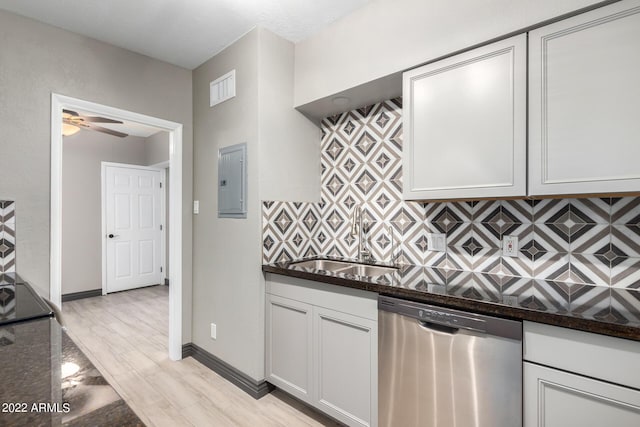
(593, 355)
(348, 300)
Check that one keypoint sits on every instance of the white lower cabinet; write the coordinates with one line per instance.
(579, 379)
(555, 398)
(346, 351)
(289, 345)
(322, 347)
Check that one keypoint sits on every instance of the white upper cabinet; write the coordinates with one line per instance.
(584, 103)
(465, 124)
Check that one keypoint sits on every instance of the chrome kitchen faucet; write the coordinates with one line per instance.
(358, 229)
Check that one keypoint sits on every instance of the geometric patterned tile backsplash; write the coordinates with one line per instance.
(7, 237)
(574, 241)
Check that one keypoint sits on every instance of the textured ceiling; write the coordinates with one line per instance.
(182, 32)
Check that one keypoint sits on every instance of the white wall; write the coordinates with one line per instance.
(82, 202)
(157, 148)
(228, 282)
(388, 36)
(228, 287)
(38, 59)
(289, 142)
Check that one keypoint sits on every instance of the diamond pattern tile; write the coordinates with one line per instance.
(556, 295)
(473, 286)
(487, 235)
(7, 237)
(487, 261)
(334, 149)
(589, 269)
(627, 238)
(459, 234)
(521, 265)
(446, 220)
(549, 239)
(569, 243)
(591, 301)
(628, 301)
(519, 210)
(463, 211)
(590, 238)
(471, 246)
(626, 274)
(626, 210)
(482, 208)
(7, 212)
(591, 211)
(552, 266)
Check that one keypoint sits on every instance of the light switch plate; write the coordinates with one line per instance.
(196, 207)
(437, 242)
(214, 331)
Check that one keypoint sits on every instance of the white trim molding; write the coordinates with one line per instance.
(60, 102)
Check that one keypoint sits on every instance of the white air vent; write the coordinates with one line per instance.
(222, 88)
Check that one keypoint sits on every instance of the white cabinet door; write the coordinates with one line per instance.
(346, 373)
(554, 398)
(321, 354)
(289, 346)
(584, 100)
(465, 124)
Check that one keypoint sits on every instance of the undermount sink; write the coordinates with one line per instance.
(364, 270)
(368, 270)
(323, 264)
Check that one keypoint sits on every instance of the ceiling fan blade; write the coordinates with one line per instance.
(73, 113)
(74, 122)
(95, 119)
(107, 131)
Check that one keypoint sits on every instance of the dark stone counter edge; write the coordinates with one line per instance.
(586, 325)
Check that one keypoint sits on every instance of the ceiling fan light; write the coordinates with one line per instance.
(68, 130)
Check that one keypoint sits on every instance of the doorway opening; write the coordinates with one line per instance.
(174, 130)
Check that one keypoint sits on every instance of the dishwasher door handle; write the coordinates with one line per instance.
(437, 328)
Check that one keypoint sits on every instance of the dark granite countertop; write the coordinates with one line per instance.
(19, 302)
(602, 310)
(46, 380)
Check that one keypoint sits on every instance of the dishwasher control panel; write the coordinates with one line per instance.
(449, 319)
(456, 319)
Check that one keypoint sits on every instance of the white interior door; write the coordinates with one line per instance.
(133, 227)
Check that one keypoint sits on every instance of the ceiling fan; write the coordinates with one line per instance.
(72, 122)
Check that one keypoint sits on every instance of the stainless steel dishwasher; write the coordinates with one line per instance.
(446, 368)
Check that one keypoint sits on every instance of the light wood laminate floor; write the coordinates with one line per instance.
(125, 335)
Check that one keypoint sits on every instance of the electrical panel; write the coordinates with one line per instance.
(232, 181)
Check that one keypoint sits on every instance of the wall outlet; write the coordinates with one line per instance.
(196, 207)
(511, 300)
(437, 242)
(214, 331)
(510, 246)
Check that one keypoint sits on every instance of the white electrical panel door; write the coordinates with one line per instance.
(465, 124)
(232, 181)
(584, 100)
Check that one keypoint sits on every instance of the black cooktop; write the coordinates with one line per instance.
(19, 302)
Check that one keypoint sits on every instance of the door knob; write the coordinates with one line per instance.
(111, 236)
